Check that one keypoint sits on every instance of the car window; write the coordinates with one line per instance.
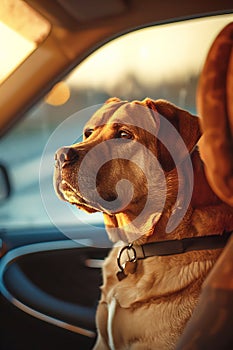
(158, 62)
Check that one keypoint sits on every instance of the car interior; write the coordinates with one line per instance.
(61, 60)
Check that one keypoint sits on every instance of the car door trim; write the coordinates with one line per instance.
(11, 256)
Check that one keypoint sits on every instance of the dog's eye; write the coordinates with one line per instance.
(88, 133)
(125, 135)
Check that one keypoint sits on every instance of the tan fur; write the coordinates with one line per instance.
(147, 309)
(154, 304)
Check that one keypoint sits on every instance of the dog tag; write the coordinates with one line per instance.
(121, 275)
(130, 267)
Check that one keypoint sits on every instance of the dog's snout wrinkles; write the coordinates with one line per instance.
(66, 155)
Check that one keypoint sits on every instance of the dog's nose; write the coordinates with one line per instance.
(66, 155)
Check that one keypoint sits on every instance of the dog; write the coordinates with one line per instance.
(140, 166)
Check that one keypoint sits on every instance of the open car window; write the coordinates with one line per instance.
(157, 62)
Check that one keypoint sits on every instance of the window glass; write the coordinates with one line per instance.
(157, 62)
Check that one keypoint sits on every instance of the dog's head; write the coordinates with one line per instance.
(126, 164)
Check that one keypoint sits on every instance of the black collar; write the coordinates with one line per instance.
(169, 247)
(179, 246)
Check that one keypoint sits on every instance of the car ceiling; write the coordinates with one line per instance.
(77, 29)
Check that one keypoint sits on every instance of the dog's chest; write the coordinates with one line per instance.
(148, 308)
(152, 325)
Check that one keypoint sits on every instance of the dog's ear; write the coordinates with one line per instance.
(113, 99)
(186, 125)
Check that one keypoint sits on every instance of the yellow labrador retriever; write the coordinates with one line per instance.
(139, 165)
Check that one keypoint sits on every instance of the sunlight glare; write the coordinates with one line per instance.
(14, 48)
(155, 53)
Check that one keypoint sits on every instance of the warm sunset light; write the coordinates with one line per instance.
(58, 95)
(14, 49)
(21, 30)
(153, 54)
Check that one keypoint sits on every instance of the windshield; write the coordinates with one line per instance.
(157, 62)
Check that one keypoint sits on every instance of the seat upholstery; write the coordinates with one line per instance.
(215, 107)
